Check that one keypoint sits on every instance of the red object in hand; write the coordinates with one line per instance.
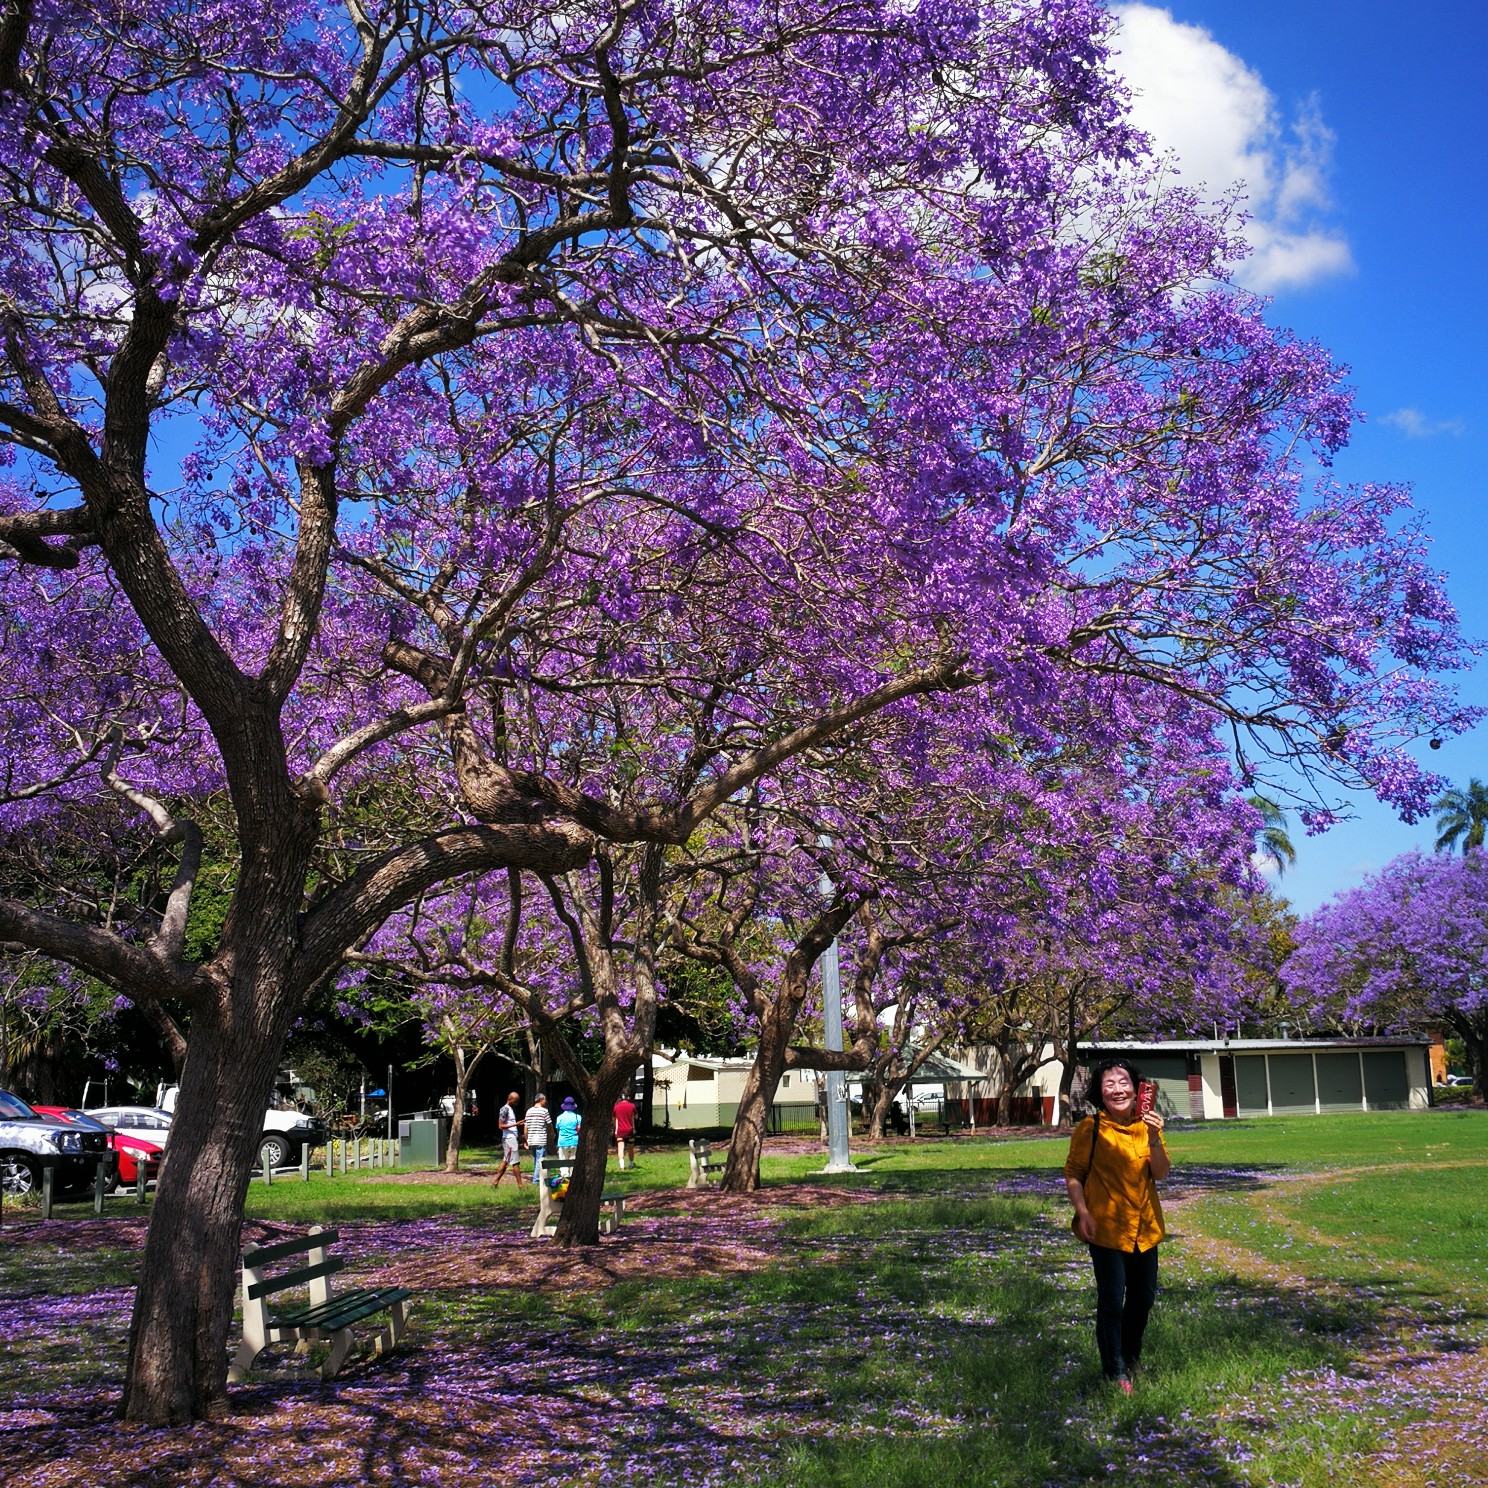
(1146, 1097)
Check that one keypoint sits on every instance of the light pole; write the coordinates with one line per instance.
(838, 1160)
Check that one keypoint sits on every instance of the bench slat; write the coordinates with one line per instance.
(349, 1307)
(281, 1248)
(286, 1279)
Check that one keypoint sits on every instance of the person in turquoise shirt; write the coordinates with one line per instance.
(569, 1122)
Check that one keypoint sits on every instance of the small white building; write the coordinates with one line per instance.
(695, 1090)
(1211, 1079)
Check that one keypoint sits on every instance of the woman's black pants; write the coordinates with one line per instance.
(1125, 1289)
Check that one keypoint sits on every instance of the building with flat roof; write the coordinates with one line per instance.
(1212, 1079)
(1209, 1079)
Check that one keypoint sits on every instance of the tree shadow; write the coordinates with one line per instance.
(952, 1343)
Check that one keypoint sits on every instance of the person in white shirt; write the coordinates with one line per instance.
(510, 1136)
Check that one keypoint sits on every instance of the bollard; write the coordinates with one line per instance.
(98, 1181)
(330, 1148)
(47, 1178)
(305, 1162)
(268, 1168)
(139, 1180)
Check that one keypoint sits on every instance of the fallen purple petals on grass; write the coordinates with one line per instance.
(706, 1398)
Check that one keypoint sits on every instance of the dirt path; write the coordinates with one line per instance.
(1446, 1446)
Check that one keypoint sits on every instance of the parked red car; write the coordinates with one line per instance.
(130, 1151)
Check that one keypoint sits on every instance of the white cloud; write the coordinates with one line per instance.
(1415, 425)
(1218, 117)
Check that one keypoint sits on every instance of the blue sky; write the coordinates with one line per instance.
(1360, 129)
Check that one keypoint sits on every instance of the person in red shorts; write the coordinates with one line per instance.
(625, 1114)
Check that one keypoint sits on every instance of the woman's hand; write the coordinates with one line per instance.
(1085, 1227)
(1157, 1155)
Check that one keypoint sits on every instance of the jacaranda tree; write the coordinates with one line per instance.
(1405, 951)
(394, 396)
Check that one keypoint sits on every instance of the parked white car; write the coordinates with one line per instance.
(149, 1123)
(286, 1131)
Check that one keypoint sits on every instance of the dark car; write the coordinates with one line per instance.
(28, 1141)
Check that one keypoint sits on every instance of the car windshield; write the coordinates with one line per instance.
(12, 1109)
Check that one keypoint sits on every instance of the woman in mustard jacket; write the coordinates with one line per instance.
(1115, 1158)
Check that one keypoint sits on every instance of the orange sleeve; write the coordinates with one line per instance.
(1082, 1141)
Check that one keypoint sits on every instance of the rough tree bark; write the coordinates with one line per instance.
(779, 1014)
(178, 1335)
(464, 1073)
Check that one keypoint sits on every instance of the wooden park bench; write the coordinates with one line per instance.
(611, 1202)
(326, 1318)
(702, 1162)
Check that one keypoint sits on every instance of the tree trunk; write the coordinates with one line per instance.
(177, 1369)
(579, 1222)
(1472, 1029)
(456, 1131)
(878, 1112)
(741, 1173)
(464, 1073)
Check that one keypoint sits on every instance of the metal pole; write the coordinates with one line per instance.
(390, 1103)
(838, 1158)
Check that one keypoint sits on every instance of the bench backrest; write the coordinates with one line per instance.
(257, 1286)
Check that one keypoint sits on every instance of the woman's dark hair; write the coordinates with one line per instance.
(1093, 1092)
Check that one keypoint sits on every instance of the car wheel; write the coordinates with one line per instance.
(19, 1175)
(273, 1150)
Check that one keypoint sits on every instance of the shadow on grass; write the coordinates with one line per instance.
(863, 1370)
(1048, 1182)
(915, 1341)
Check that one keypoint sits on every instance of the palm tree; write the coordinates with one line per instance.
(1464, 814)
(1272, 842)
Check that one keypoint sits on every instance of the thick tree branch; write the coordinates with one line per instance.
(170, 939)
(138, 972)
(25, 535)
(349, 913)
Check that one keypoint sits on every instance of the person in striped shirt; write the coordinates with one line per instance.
(537, 1126)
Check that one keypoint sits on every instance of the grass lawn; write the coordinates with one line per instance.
(1323, 1320)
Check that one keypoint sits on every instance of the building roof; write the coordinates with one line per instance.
(1248, 1045)
(935, 1070)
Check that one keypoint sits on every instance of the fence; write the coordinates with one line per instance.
(346, 1155)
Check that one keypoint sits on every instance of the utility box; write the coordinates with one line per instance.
(424, 1139)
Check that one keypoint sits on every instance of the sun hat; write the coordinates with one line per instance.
(570, 1104)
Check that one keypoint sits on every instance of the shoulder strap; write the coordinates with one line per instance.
(1094, 1138)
